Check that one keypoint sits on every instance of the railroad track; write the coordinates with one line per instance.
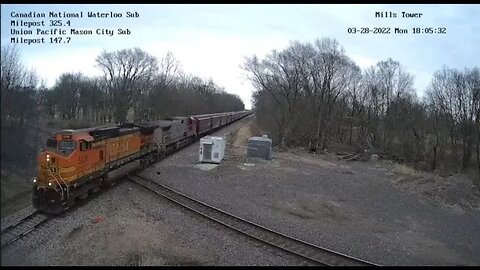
(21, 228)
(308, 252)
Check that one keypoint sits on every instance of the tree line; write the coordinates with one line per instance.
(19, 110)
(313, 95)
(135, 86)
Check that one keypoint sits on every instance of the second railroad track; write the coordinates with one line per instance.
(22, 227)
(307, 251)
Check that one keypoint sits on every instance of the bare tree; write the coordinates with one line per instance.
(124, 72)
(170, 69)
(15, 80)
(455, 94)
(394, 84)
(305, 82)
(472, 80)
(313, 92)
(19, 109)
(66, 92)
(280, 75)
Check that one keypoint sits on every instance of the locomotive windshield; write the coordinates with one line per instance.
(66, 145)
(52, 143)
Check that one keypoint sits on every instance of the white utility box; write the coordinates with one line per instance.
(212, 149)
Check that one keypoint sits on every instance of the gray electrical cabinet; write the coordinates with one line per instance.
(260, 147)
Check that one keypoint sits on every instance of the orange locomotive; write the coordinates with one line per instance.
(78, 162)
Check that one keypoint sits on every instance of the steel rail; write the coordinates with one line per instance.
(309, 252)
(24, 226)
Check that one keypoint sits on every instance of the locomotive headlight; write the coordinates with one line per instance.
(48, 158)
(34, 179)
(50, 183)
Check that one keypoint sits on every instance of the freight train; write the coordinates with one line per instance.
(79, 162)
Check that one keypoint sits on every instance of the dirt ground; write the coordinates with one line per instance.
(378, 211)
(455, 195)
(456, 191)
(15, 193)
(238, 141)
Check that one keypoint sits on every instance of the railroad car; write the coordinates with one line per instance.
(203, 123)
(216, 121)
(78, 162)
(224, 119)
(229, 117)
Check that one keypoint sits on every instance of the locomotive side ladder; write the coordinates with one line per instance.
(59, 184)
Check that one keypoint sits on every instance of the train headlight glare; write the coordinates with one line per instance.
(48, 157)
(35, 179)
(49, 184)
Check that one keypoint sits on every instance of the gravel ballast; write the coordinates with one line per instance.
(136, 227)
(353, 208)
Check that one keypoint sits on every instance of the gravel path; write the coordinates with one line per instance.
(137, 228)
(353, 208)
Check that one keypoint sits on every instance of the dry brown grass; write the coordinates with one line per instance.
(403, 170)
(240, 138)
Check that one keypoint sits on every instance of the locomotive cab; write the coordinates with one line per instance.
(55, 161)
(56, 168)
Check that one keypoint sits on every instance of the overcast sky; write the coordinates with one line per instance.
(211, 41)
